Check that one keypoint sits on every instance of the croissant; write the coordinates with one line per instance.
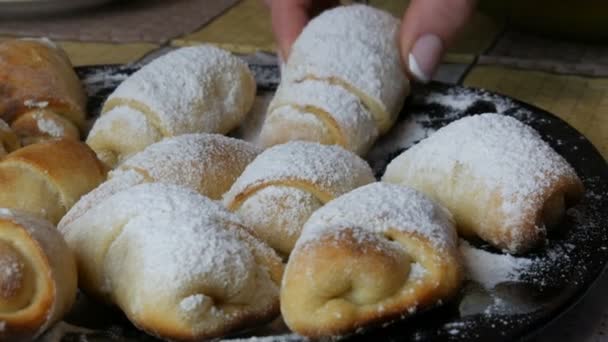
(37, 276)
(375, 254)
(285, 184)
(178, 264)
(47, 178)
(207, 163)
(501, 181)
(189, 90)
(343, 82)
(41, 96)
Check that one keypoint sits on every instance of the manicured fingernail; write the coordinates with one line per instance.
(424, 57)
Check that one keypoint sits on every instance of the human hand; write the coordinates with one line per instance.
(428, 28)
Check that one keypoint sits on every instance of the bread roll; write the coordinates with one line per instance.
(343, 83)
(498, 177)
(47, 178)
(41, 96)
(37, 276)
(285, 184)
(190, 90)
(179, 265)
(207, 163)
(376, 254)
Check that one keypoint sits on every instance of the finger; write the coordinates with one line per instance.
(428, 29)
(289, 18)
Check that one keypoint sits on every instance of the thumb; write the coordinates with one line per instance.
(428, 29)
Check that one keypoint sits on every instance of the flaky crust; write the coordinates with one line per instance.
(38, 277)
(47, 178)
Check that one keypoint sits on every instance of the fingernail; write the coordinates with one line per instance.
(424, 57)
(281, 60)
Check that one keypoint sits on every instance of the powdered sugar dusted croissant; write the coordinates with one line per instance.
(42, 96)
(207, 163)
(375, 254)
(47, 178)
(343, 83)
(285, 184)
(189, 90)
(179, 265)
(37, 276)
(501, 181)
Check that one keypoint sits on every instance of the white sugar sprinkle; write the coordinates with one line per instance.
(378, 207)
(489, 269)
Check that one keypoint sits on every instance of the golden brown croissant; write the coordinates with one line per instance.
(37, 276)
(285, 184)
(178, 264)
(501, 181)
(40, 94)
(373, 255)
(47, 178)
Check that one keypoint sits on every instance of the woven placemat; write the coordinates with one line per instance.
(150, 21)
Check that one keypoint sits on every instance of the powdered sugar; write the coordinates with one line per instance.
(332, 170)
(356, 127)
(35, 104)
(168, 242)
(379, 207)
(193, 89)
(490, 269)
(357, 45)
(188, 160)
(502, 153)
(48, 126)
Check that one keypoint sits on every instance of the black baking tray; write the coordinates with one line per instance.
(572, 258)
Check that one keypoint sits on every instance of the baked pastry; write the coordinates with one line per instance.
(315, 110)
(8, 139)
(178, 264)
(343, 82)
(498, 177)
(207, 163)
(189, 90)
(285, 184)
(37, 276)
(376, 254)
(47, 178)
(42, 96)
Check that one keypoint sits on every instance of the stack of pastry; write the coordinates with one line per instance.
(343, 83)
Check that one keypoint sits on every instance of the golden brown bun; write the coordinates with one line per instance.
(43, 124)
(37, 74)
(376, 254)
(37, 276)
(47, 178)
